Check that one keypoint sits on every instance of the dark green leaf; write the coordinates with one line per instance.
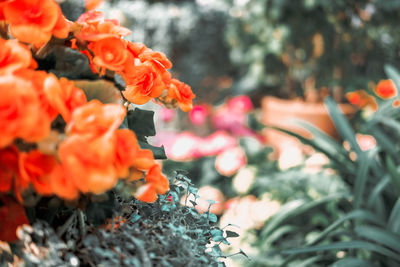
(379, 235)
(344, 246)
(141, 122)
(159, 152)
(357, 214)
(231, 234)
(394, 219)
(352, 262)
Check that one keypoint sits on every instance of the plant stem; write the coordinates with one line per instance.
(81, 222)
(61, 230)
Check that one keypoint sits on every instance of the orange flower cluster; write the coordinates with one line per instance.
(362, 99)
(94, 154)
(91, 154)
(34, 21)
(144, 71)
(386, 89)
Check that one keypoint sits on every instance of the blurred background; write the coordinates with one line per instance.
(253, 63)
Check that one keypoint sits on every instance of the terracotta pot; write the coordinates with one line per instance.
(282, 112)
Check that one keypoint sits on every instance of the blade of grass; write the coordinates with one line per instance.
(380, 236)
(344, 246)
(356, 214)
(352, 262)
(342, 124)
(394, 219)
(362, 176)
(295, 208)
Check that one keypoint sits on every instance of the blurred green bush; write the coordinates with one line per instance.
(286, 47)
(365, 227)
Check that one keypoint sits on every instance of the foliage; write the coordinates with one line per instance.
(162, 233)
(364, 230)
(75, 162)
(290, 48)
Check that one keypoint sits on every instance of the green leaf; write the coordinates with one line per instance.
(393, 74)
(217, 250)
(342, 124)
(346, 245)
(296, 208)
(375, 196)
(364, 162)
(216, 232)
(392, 169)
(352, 262)
(141, 122)
(356, 214)
(278, 233)
(158, 152)
(231, 234)
(212, 217)
(379, 235)
(394, 219)
(242, 252)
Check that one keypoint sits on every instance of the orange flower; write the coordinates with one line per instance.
(109, 53)
(14, 56)
(182, 93)
(157, 179)
(92, 26)
(361, 99)
(63, 96)
(95, 119)
(396, 103)
(22, 114)
(12, 215)
(146, 193)
(143, 84)
(2, 4)
(36, 168)
(89, 163)
(35, 21)
(126, 151)
(158, 59)
(129, 154)
(88, 153)
(61, 185)
(386, 89)
(8, 167)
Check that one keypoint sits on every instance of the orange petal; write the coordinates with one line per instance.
(386, 89)
(146, 193)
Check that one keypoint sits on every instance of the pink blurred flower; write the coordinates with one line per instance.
(228, 120)
(198, 115)
(230, 161)
(240, 104)
(366, 142)
(216, 143)
(166, 114)
(185, 146)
